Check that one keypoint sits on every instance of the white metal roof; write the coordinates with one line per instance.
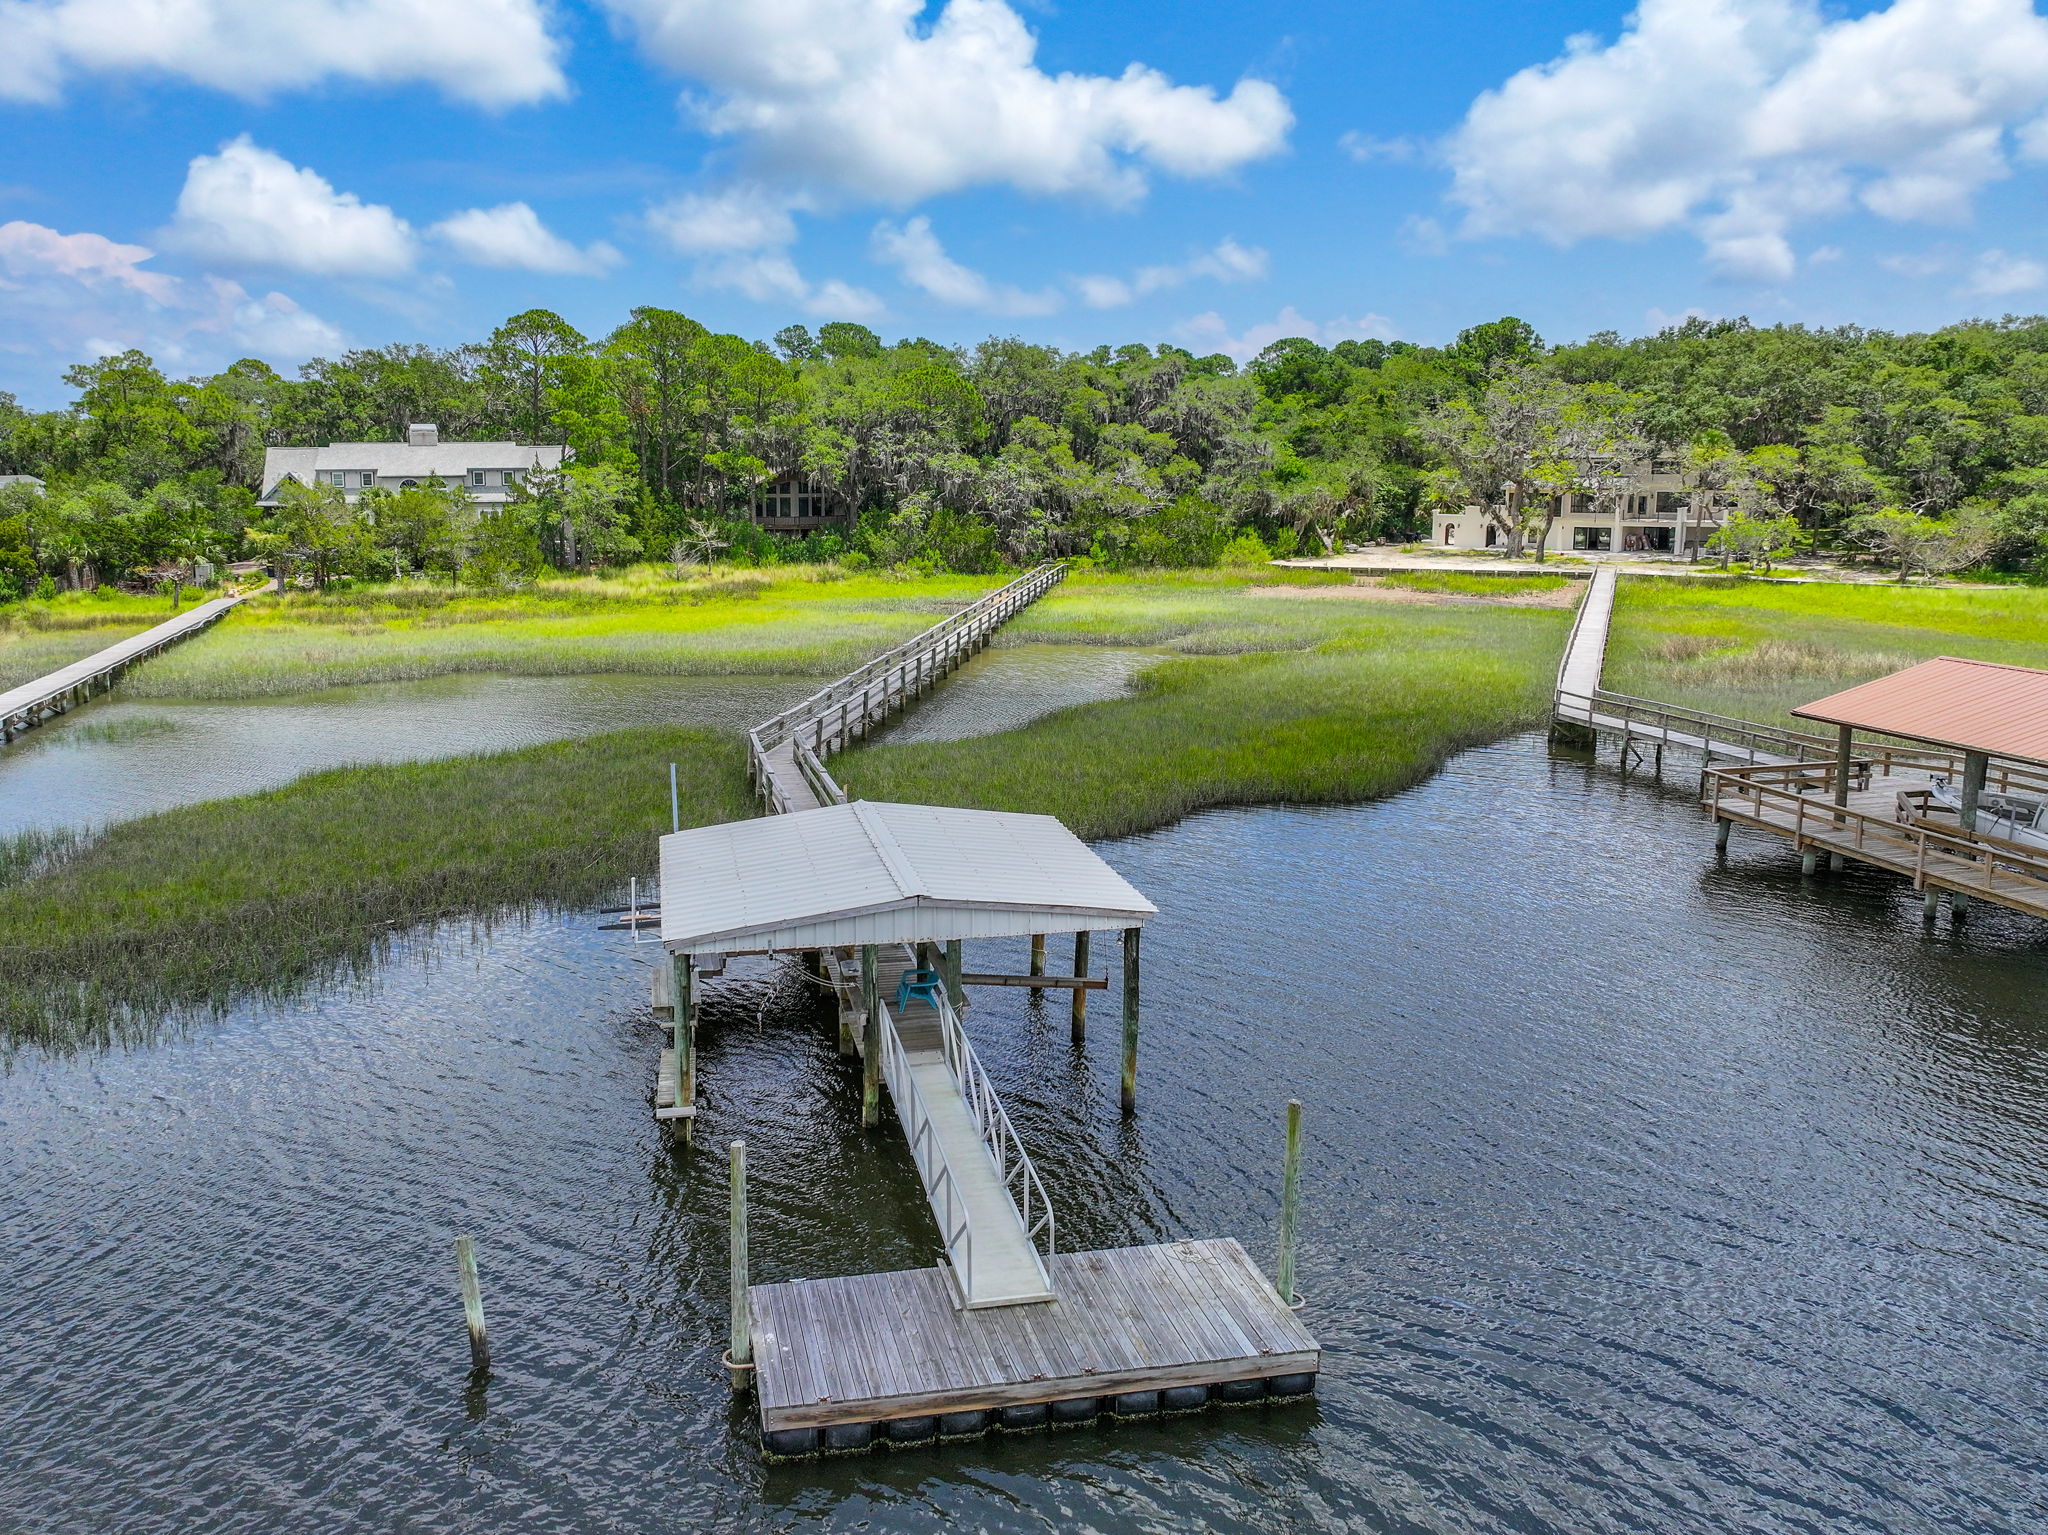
(879, 873)
(452, 461)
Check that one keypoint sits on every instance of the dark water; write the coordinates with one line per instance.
(1644, 1193)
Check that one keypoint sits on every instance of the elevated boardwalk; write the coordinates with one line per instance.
(25, 707)
(844, 1362)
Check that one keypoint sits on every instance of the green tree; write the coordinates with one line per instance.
(526, 364)
(316, 528)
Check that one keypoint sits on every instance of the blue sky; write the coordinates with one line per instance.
(289, 177)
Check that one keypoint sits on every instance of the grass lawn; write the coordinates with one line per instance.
(796, 620)
(37, 638)
(1756, 650)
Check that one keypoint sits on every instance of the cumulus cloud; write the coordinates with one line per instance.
(854, 98)
(1997, 273)
(740, 217)
(251, 207)
(1365, 149)
(512, 236)
(1211, 332)
(493, 53)
(84, 295)
(1227, 262)
(1740, 119)
(92, 260)
(921, 261)
(771, 277)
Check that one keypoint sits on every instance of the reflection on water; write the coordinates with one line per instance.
(115, 759)
(1643, 1193)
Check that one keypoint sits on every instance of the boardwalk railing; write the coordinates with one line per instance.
(848, 709)
(1791, 797)
(1718, 734)
(25, 707)
(927, 1152)
(992, 1121)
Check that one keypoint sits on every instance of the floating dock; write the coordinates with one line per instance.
(892, 1358)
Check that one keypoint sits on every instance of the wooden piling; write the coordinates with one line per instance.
(954, 994)
(1290, 1203)
(1080, 996)
(473, 1305)
(1038, 954)
(686, 1043)
(1721, 830)
(740, 1356)
(1130, 1082)
(675, 803)
(871, 1038)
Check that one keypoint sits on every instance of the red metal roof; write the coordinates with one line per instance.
(1972, 706)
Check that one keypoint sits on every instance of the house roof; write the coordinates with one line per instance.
(1968, 706)
(452, 461)
(883, 873)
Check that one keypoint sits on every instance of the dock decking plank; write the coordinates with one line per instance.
(896, 1345)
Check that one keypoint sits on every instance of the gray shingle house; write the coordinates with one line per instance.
(487, 470)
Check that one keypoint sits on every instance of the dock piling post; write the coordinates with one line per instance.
(1721, 829)
(870, 1039)
(675, 803)
(1930, 905)
(954, 993)
(1130, 1083)
(686, 1041)
(473, 1305)
(1038, 954)
(739, 1358)
(1808, 861)
(1290, 1203)
(1080, 996)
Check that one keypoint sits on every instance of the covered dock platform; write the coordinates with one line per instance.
(1939, 773)
(1006, 1330)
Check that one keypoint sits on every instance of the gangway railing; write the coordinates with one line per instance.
(999, 1135)
(927, 1152)
(845, 710)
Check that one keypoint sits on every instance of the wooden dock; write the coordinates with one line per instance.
(845, 1363)
(25, 707)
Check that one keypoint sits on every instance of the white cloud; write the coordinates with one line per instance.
(1925, 264)
(922, 262)
(84, 295)
(853, 97)
(740, 217)
(1997, 273)
(1656, 321)
(1227, 262)
(769, 277)
(512, 235)
(1740, 119)
(34, 250)
(1365, 149)
(249, 206)
(494, 53)
(1211, 332)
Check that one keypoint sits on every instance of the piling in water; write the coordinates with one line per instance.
(740, 1357)
(473, 1305)
(1290, 1203)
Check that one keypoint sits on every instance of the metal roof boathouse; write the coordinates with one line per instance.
(879, 901)
(1939, 772)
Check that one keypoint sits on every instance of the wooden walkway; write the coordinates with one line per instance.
(1134, 1329)
(1871, 827)
(787, 753)
(32, 703)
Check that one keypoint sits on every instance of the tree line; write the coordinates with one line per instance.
(1932, 448)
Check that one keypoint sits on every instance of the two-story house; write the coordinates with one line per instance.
(487, 470)
(1656, 514)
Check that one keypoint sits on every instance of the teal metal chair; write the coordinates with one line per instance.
(921, 986)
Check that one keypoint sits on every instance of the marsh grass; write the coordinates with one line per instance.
(1364, 711)
(1459, 584)
(1757, 650)
(186, 911)
(797, 621)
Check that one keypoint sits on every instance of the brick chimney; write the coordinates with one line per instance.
(423, 434)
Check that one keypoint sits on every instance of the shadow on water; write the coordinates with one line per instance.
(1644, 1193)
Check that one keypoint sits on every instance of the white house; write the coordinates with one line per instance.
(488, 470)
(1654, 516)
